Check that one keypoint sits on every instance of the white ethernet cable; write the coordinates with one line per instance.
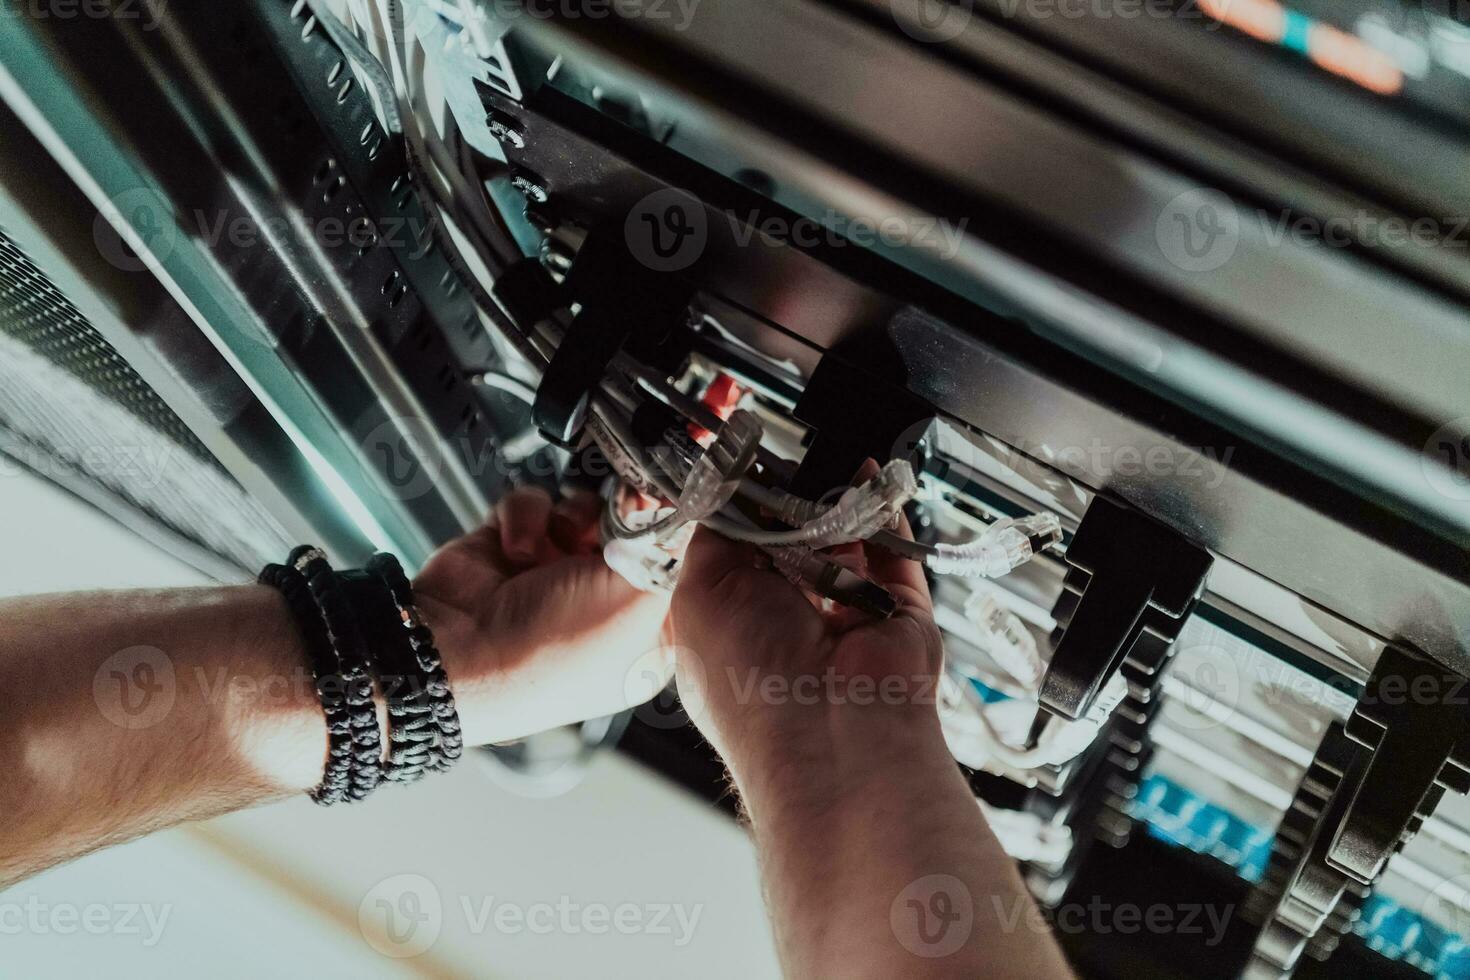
(648, 563)
(1000, 548)
(1006, 723)
(646, 549)
(860, 513)
(1027, 837)
(865, 510)
(802, 565)
(710, 483)
(716, 474)
(1003, 636)
(982, 732)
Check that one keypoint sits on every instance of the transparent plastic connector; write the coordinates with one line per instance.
(801, 566)
(1027, 837)
(994, 735)
(863, 511)
(1004, 546)
(715, 476)
(1002, 635)
(999, 731)
(647, 563)
(1108, 699)
(796, 511)
(1063, 740)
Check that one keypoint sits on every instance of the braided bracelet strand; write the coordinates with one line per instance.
(411, 730)
(366, 771)
(325, 677)
(450, 744)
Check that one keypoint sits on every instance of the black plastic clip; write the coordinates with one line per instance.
(1414, 719)
(855, 415)
(1303, 904)
(622, 305)
(1131, 576)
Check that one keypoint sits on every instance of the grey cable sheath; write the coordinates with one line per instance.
(377, 76)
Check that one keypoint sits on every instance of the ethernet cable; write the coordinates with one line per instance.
(1027, 837)
(859, 513)
(715, 476)
(712, 478)
(648, 562)
(1001, 548)
(1002, 635)
(990, 732)
(671, 475)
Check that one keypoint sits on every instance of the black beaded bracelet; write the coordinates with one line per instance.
(450, 743)
(411, 730)
(366, 769)
(363, 635)
(292, 586)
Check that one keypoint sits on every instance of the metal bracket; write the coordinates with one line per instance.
(855, 415)
(622, 304)
(1131, 577)
(1304, 904)
(1414, 720)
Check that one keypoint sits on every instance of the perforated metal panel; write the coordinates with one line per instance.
(74, 411)
(34, 312)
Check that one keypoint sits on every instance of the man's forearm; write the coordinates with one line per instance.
(877, 860)
(127, 712)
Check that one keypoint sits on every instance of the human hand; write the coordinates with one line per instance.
(534, 628)
(762, 664)
(828, 722)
